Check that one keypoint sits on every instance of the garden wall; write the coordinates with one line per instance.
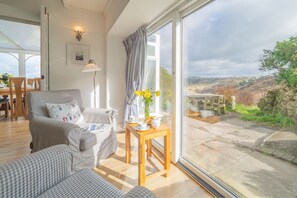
(281, 100)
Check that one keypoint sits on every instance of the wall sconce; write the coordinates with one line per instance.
(78, 33)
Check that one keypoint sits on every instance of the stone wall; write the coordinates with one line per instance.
(281, 99)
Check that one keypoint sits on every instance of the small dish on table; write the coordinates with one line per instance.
(132, 122)
(139, 128)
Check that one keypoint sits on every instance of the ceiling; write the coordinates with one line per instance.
(19, 36)
(138, 13)
(34, 5)
(94, 5)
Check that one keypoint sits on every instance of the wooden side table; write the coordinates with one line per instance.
(145, 137)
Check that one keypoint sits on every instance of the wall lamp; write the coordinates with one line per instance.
(78, 33)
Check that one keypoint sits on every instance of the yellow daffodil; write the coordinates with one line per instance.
(147, 99)
(158, 93)
(147, 94)
(137, 92)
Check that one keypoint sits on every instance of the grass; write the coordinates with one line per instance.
(253, 113)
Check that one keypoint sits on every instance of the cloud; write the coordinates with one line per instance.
(227, 37)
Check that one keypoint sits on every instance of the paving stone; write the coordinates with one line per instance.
(257, 175)
(278, 153)
(231, 150)
(207, 158)
(295, 160)
(288, 157)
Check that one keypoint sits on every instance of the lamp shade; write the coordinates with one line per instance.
(91, 66)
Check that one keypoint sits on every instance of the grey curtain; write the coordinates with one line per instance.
(135, 46)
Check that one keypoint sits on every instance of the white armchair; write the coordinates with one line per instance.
(88, 148)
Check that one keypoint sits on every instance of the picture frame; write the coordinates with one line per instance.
(77, 54)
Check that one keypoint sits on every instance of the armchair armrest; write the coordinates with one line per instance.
(139, 192)
(47, 132)
(105, 116)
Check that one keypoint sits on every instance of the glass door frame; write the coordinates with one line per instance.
(175, 15)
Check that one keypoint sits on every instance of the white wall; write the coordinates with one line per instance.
(14, 12)
(61, 25)
(115, 72)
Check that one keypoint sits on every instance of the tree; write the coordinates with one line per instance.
(166, 88)
(283, 59)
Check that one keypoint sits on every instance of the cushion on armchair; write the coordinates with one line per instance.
(67, 112)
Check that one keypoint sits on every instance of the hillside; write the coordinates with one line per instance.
(248, 90)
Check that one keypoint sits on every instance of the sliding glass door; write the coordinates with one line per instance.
(230, 135)
(227, 75)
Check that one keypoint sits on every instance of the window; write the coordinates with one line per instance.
(9, 63)
(158, 75)
(32, 66)
(19, 49)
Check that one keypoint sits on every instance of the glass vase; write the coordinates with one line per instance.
(147, 110)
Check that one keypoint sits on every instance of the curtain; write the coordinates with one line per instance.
(135, 46)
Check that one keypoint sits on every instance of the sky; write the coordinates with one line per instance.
(226, 37)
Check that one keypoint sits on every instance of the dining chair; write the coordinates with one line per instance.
(18, 88)
(30, 82)
(4, 106)
(37, 84)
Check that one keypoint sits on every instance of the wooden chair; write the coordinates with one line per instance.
(18, 104)
(37, 84)
(4, 106)
(30, 82)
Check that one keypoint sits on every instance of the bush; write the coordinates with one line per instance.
(283, 59)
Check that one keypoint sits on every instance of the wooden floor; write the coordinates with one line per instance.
(14, 143)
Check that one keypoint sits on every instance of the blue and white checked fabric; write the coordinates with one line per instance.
(32, 175)
(84, 183)
(139, 192)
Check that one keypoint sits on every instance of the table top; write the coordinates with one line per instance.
(150, 133)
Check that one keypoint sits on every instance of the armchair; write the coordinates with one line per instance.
(87, 148)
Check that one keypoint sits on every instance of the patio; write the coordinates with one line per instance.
(229, 150)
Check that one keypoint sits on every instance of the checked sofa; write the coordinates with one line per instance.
(87, 148)
(48, 173)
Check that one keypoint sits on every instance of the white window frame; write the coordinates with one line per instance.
(21, 58)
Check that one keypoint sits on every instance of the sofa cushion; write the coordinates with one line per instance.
(84, 183)
(90, 137)
(67, 112)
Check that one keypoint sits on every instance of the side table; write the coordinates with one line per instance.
(145, 137)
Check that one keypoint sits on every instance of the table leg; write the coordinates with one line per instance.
(141, 162)
(149, 148)
(128, 146)
(167, 153)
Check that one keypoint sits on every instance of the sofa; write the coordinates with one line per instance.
(87, 148)
(47, 173)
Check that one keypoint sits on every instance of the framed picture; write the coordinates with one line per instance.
(77, 54)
